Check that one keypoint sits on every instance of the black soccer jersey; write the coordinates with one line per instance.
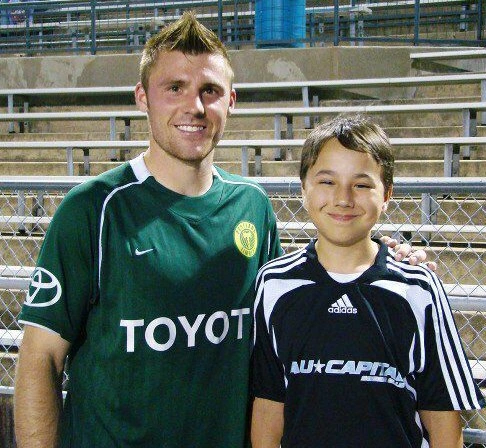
(354, 362)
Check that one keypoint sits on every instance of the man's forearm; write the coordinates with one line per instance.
(38, 403)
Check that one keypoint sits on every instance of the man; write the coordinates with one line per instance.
(145, 279)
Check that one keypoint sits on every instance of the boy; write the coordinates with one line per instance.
(354, 349)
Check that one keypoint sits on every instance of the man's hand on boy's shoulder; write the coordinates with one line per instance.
(403, 250)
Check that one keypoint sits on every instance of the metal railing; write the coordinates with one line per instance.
(445, 216)
(70, 26)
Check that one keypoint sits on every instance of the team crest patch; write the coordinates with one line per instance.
(44, 289)
(246, 238)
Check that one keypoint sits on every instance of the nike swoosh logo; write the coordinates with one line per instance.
(141, 252)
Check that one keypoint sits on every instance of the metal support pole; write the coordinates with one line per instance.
(113, 155)
(336, 23)
(416, 23)
(352, 28)
(86, 165)
(124, 153)
(451, 160)
(245, 172)
(27, 124)
(428, 215)
(483, 99)
(21, 210)
(70, 161)
(480, 25)
(289, 135)
(305, 102)
(258, 161)
(315, 103)
(277, 155)
(10, 110)
(469, 124)
(93, 26)
(463, 17)
(220, 19)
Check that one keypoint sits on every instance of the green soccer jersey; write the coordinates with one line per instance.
(153, 290)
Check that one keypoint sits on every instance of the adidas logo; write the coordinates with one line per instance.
(342, 306)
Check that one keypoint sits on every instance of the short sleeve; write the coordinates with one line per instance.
(62, 283)
(446, 382)
(268, 377)
(274, 247)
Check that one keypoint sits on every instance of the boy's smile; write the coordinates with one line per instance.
(344, 195)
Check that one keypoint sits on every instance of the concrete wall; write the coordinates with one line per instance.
(249, 65)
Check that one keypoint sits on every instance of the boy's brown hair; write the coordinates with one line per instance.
(356, 133)
(186, 35)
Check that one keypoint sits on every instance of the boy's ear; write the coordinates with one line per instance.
(304, 198)
(388, 195)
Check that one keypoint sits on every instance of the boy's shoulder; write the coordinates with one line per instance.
(284, 266)
(404, 272)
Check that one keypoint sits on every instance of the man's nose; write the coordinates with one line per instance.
(194, 104)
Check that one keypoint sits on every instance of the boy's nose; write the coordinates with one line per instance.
(343, 197)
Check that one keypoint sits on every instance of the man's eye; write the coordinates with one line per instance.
(174, 88)
(326, 182)
(209, 91)
(363, 186)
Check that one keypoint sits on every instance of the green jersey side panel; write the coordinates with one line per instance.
(154, 290)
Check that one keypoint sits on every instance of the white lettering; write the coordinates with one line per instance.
(295, 367)
(334, 362)
(349, 367)
(209, 327)
(130, 326)
(240, 314)
(191, 330)
(309, 368)
(149, 334)
(363, 366)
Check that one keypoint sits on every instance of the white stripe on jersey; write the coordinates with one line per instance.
(444, 323)
(424, 444)
(418, 299)
(102, 220)
(280, 264)
(141, 172)
(241, 182)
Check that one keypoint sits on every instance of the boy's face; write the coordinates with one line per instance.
(344, 194)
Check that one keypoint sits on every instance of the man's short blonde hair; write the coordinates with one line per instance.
(186, 35)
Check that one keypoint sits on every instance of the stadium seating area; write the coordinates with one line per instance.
(435, 115)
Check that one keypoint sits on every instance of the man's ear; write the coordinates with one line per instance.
(141, 98)
(232, 101)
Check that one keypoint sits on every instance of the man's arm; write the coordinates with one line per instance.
(444, 428)
(38, 388)
(267, 423)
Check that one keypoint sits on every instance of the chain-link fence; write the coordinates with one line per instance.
(446, 217)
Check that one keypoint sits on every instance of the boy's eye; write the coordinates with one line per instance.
(363, 186)
(209, 90)
(326, 182)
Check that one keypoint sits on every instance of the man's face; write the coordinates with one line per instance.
(187, 103)
(344, 194)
